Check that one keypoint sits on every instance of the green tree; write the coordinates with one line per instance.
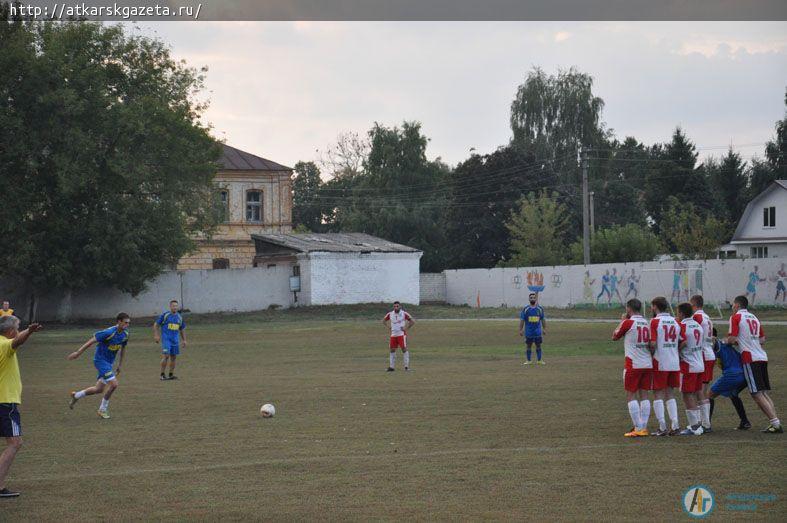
(774, 167)
(675, 174)
(617, 178)
(691, 234)
(306, 202)
(729, 178)
(537, 231)
(619, 244)
(107, 172)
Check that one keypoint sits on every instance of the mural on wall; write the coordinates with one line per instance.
(680, 282)
(751, 286)
(633, 284)
(605, 280)
(535, 281)
(587, 287)
(781, 280)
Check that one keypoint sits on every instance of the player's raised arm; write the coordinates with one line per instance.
(77, 353)
(23, 336)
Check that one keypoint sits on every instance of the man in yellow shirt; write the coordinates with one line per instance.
(10, 393)
(6, 310)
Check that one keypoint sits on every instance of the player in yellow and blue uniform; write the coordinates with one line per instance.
(168, 330)
(109, 343)
(532, 324)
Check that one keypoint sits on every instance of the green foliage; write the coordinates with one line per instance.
(729, 179)
(306, 203)
(107, 172)
(537, 230)
(619, 244)
(691, 234)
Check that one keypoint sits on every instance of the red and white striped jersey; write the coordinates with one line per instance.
(707, 334)
(691, 359)
(747, 328)
(398, 322)
(664, 332)
(636, 335)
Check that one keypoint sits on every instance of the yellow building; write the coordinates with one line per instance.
(255, 197)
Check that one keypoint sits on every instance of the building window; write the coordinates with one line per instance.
(254, 206)
(769, 217)
(221, 263)
(759, 252)
(223, 206)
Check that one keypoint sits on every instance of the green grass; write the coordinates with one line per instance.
(469, 435)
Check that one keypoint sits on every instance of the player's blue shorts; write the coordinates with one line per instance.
(169, 348)
(535, 339)
(105, 372)
(10, 422)
(729, 385)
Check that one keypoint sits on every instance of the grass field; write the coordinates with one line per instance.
(469, 435)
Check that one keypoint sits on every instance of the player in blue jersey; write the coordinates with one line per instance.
(168, 330)
(108, 343)
(532, 325)
(732, 380)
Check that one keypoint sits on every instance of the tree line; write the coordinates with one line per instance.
(521, 204)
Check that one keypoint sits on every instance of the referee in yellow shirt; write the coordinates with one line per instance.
(10, 393)
(6, 310)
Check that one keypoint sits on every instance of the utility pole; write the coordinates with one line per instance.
(592, 214)
(585, 213)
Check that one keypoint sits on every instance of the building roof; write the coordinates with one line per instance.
(333, 242)
(738, 236)
(233, 159)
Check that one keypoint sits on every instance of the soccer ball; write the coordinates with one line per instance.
(267, 410)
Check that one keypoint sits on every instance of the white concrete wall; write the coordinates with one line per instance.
(344, 278)
(198, 291)
(564, 286)
(432, 286)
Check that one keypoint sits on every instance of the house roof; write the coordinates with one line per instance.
(775, 185)
(233, 159)
(333, 242)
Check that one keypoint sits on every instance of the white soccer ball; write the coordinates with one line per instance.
(267, 410)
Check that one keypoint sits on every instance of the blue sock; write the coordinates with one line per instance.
(529, 353)
(538, 353)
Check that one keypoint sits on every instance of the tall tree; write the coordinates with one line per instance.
(306, 204)
(617, 179)
(692, 234)
(675, 174)
(107, 170)
(729, 178)
(537, 231)
(619, 244)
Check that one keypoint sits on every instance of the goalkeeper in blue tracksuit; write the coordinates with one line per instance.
(731, 382)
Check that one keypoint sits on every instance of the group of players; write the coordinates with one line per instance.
(168, 329)
(669, 353)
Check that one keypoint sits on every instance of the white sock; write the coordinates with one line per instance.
(407, 359)
(634, 413)
(690, 417)
(697, 422)
(644, 412)
(79, 395)
(705, 410)
(672, 410)
(658, 408)
(776, 423)
(104, 404)
(392, 360)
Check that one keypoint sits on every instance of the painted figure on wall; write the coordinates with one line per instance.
(613, 286)
(605, 282)
(751, 286)
(587, 287)
(781, 280)
(680, 282)
(633, 284)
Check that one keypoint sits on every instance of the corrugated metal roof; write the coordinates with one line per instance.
(333, 242)
(233, 159)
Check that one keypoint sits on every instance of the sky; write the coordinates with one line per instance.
(286, 90)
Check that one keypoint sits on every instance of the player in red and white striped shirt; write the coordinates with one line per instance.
(664, 332)
(638, 369)
(747, 335)
(399, 321)
(692, 367)
(708, 356)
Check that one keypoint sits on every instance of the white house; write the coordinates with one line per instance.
(762, 231)
(342, 268)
